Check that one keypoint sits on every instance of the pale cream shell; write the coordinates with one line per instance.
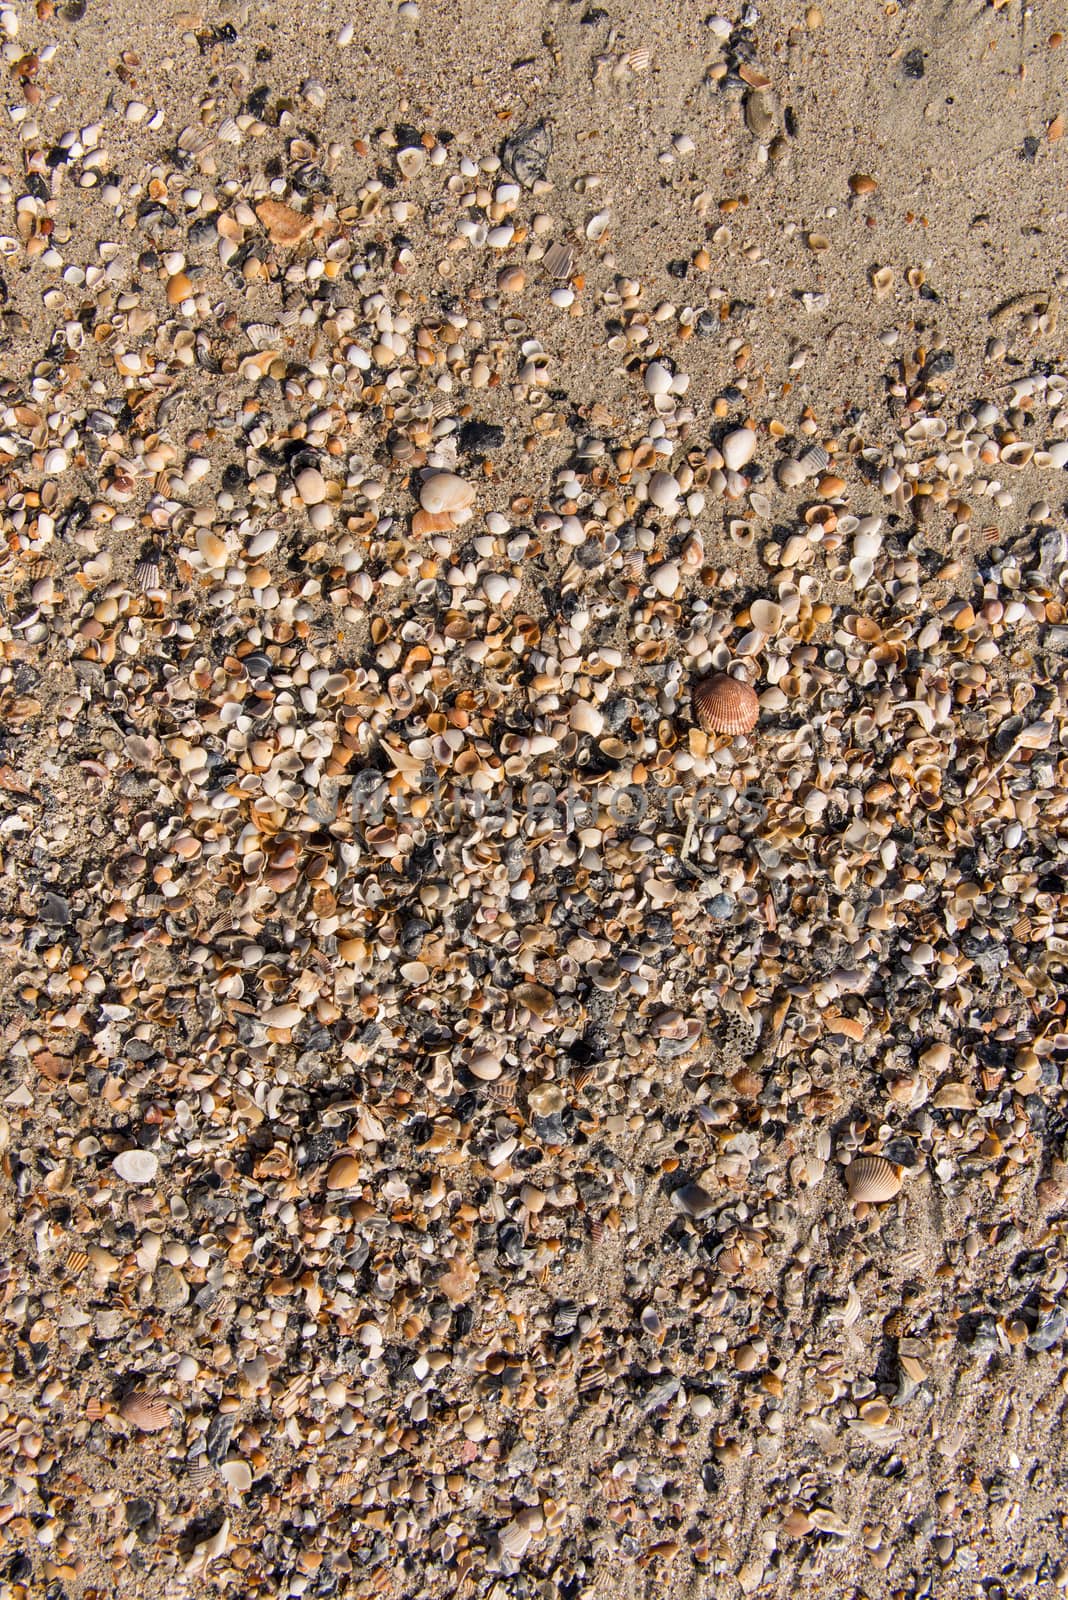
(872, 1179)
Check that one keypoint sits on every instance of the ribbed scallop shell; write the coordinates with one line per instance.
(723, 704)
(872, 1179)
(149, 1413)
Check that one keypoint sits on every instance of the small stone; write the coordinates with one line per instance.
(170, 1291)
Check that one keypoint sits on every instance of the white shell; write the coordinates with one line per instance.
(136, 1166)
(445, 493)
(237, 1474)
(411, 161)
(739, 448)
(664, 491)
(657, 378)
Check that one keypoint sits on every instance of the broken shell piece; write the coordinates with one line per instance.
(284, 225)
(882, 281)
(411, 161)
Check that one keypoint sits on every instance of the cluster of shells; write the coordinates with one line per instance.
(310, 581)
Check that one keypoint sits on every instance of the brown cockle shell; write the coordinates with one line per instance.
(723, 704)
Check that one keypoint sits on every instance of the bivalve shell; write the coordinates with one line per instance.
(411, 160)
(343, 1173)
(446, 492)
(136, 1166)
(872, 1179)
(723, 704)
(148, 1413)
(738, 448)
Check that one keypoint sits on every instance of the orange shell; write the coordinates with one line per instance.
(872, 1179)
(723, 704)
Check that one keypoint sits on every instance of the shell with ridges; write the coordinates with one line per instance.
(723, 704)
(872, 1179)
(148, 1413)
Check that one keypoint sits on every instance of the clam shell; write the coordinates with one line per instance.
(411, 160)
(766, 615)
(148, 1413)
(445, 492)
(738, 448)
(723, 704)
(872, 1179)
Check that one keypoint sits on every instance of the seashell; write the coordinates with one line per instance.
(229, 131)
(723, 704)
(791, 474)
(136, 1166)
(236, 1474)
(446, 492)
(146, 573)
(664, 491)
(872, 1179)
(148, 1413)
(194, 141)
(558, 261)
(526, 153)
(284, 226)
(262, 335)
(311, 486)
(411, 160)
(738, 448)
(1017, 454)
(343, 1172)
(766, 615)
(759, 118)
(657, 380)
(484, 1066)
(814, 460)
(597, 226)
(882, 281)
